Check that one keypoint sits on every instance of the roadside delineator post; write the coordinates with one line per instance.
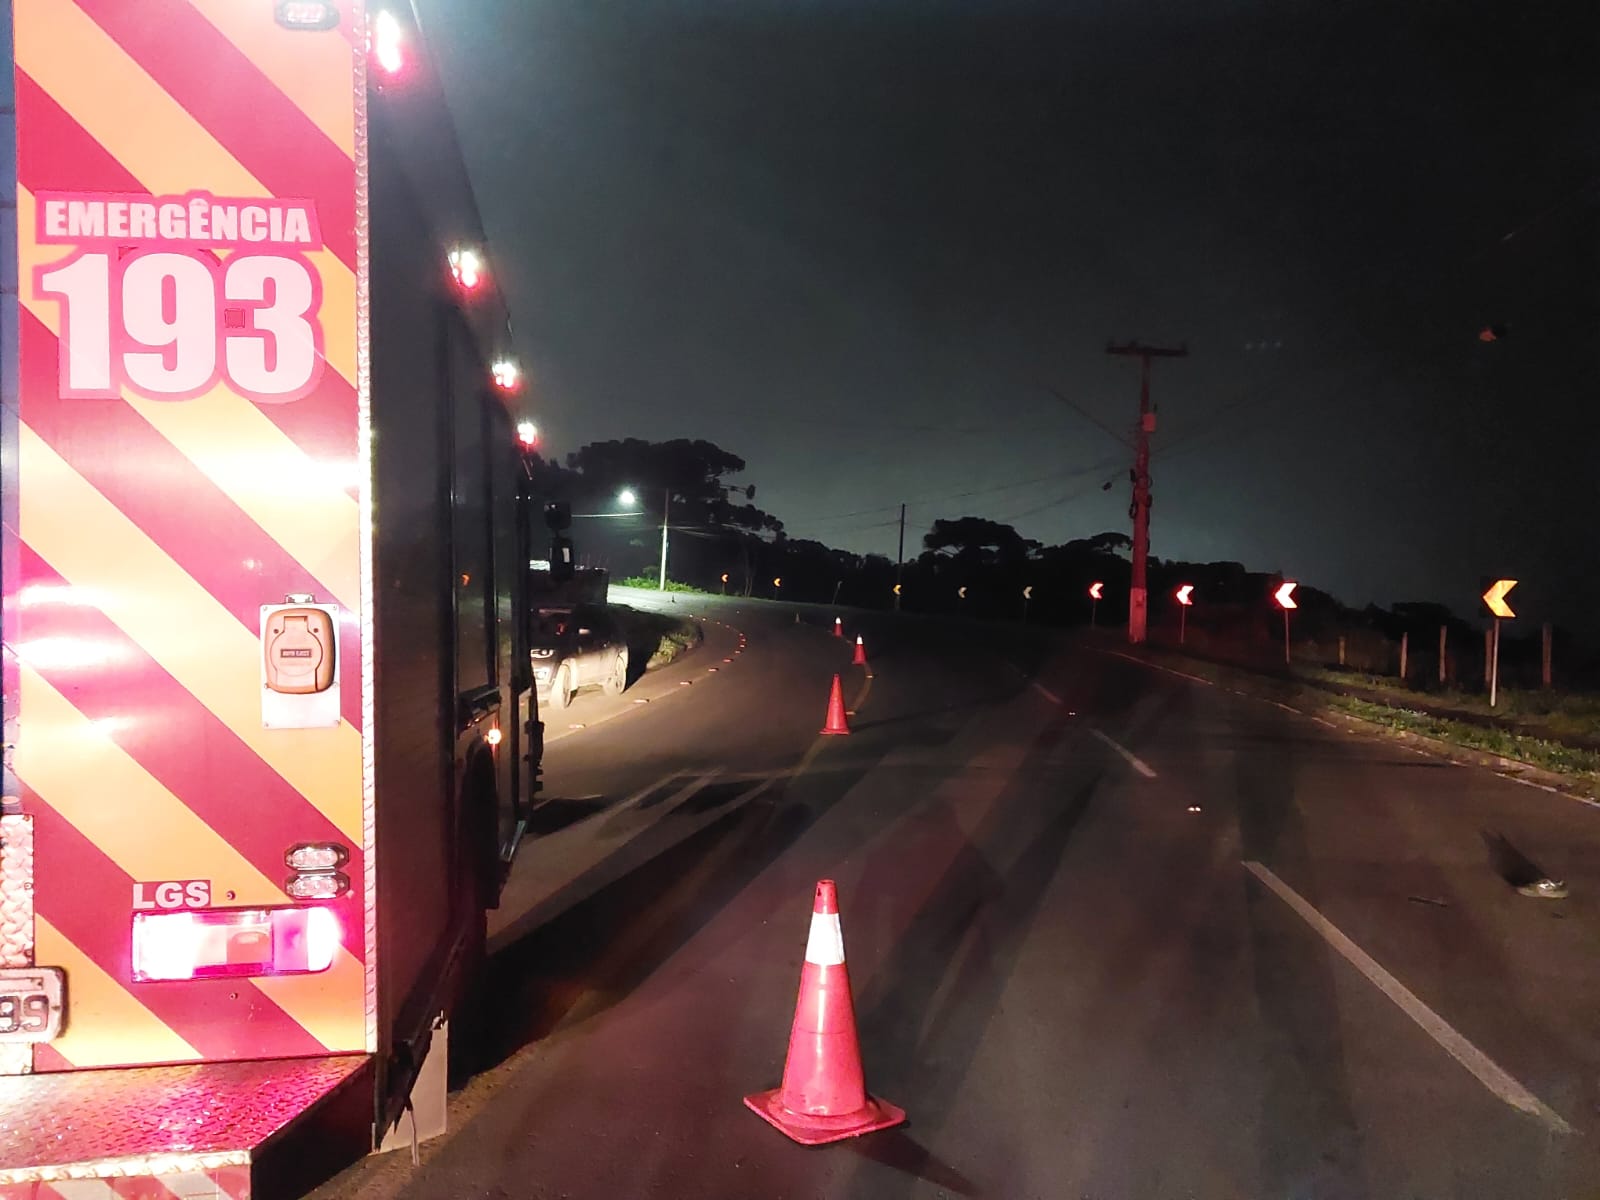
(836, 722)
(823, 1097)
(838, 627)
(860, 658)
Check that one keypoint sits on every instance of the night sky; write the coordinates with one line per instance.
(856, 242)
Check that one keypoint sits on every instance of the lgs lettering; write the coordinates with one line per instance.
(171, 894)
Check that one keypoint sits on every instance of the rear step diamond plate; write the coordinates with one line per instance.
(154, 1120)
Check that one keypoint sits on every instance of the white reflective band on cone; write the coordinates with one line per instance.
(825, 946)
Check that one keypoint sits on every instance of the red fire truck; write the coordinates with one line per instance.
(270, 738)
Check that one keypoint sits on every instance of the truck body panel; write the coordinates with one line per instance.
(268, 707)
(167, 493)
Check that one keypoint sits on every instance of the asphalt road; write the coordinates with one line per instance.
(1112, 932)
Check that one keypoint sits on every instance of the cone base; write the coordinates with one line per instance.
(834, 732)
(810, 1129)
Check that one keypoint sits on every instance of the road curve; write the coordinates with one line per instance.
(1112, 933)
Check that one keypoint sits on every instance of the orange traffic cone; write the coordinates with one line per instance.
(860, 659)
(838, 627)
(824, 1096)
(836, 722)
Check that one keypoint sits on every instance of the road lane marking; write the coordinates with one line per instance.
(642, 798)
(1375, 733)
(861, 696)
(817, 743)
(556, 886)
(1154, 666)
(1483, 1068)
(1047, 693)
(1134, 761)
(638, 702)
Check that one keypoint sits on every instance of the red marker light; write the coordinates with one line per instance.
(467, 267)
(386, 42)
(506, 375)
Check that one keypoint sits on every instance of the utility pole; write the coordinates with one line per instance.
(1138, 593)
(666, 507)
(900, 558)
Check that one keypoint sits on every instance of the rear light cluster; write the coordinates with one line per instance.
(386, 42)
(466, 267)
(233, 942)
(316, 871)
(317, 887)
(317, 856)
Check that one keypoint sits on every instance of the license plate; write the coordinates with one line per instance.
(32, 1003)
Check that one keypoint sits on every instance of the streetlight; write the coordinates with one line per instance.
(527, 434)
(623, 507)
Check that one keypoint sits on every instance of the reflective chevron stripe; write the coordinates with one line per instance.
(151, 530)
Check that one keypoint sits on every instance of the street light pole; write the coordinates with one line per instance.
(666, 508)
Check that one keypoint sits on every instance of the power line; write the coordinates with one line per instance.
(1067, 498)
(1053, 477)
(1088, 416)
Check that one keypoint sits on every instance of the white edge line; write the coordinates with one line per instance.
(1047, 693)
(1134, 761)
(1483, 1068)
(621, 712)
(1300, 712)
(1158, 667)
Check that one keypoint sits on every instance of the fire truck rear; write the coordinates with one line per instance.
(270, 737)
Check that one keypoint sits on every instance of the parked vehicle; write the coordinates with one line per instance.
(574, 648)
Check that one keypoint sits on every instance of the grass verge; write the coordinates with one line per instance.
(1577, 768)
(1572, 717)
(649, 583)
(656, 639)
(1574, 762)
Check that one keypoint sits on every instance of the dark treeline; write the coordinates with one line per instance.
(716, 529)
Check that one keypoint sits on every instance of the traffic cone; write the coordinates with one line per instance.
(860, 659)
(824, 1096)
(838, 627)
(836, 722)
